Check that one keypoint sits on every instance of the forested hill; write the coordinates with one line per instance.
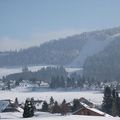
(55, 52)
(106, 64)
(71, 51)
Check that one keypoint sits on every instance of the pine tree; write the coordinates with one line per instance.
(68, 82)
(28, 109)
(118, 104)
(76, 105)
(56, 108)
(64, 107)
(107, 101)
(114, 108)
(33, 103)
(51, 101)
(114, 103)
(51, 104)
(53, 83)
(62, 82)
(45, 106)
(8, 85)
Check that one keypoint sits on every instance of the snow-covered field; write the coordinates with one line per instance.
(47, 116)
(95, 97)
(10, 70)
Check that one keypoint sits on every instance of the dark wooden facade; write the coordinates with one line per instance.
(86, 111)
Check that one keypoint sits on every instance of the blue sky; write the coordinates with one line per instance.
(25, 23)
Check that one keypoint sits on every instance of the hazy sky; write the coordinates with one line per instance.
(25, 23)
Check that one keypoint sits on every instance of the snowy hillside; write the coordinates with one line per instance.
(105, 65)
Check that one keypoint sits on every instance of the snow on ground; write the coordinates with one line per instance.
(47, 116)
(95, 97)
(11, 70)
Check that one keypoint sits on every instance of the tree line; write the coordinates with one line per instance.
(110, 105)
(52, 107)
(111, 102)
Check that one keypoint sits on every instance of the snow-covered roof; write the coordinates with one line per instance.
(44, 84)
(93, 109)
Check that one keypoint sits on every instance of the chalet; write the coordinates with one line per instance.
(81, 100)
(9, 106)
(87, 110)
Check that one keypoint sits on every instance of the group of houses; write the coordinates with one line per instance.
(86, 107)
(23, 84)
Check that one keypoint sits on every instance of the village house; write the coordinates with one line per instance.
(81, 100)
(25, 83)
(90, 111)
(9, 106)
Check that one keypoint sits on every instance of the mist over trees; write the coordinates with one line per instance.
(55, 77)
(103, 66)
(45, 74)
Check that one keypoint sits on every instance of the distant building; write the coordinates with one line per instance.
(44, 84)
(25, 83)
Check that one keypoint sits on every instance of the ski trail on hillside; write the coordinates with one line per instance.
(91, 48)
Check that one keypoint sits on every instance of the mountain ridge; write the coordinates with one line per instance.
(70, 51)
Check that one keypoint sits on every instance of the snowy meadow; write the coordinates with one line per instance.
(95, 97)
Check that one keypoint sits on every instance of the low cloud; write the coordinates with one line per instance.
(7, 43)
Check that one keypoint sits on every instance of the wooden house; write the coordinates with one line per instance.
(90, 111)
